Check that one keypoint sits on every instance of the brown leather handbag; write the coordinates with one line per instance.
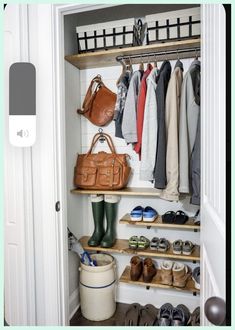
(102, 171)
(99, 103)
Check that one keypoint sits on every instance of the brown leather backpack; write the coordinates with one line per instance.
(98, 105)
(102, 171)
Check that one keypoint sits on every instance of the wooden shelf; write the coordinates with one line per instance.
(108, 57)
(156, 282)
(189, 225)
(125, 192)
(122, 247)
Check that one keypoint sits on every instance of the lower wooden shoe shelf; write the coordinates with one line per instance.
(156, 282)
(121, 246)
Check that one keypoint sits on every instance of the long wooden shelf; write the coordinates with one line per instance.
(108, 57)
(156, 282)
(125, 192)
(189, 225)
(121, 246)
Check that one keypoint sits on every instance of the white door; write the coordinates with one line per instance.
(213, 141)
(19, 285)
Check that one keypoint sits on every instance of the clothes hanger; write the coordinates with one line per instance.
(124, 67)
(141, 65)
(166, 59)
(155, 61)
(178, 58)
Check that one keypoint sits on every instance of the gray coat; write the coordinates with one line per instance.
(188, 127)
(160, 165)
(129, 128)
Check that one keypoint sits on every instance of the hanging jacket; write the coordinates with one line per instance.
(129, 130)
(140, 109)
(189, 112)
(171, 119)
(160, 165)
(195, 168)
(149, 134)
(122, 88)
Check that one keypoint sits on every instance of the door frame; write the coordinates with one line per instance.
(58, 144)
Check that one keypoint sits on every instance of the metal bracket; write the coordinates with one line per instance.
(101, 138)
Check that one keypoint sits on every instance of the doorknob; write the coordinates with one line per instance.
(215, 310)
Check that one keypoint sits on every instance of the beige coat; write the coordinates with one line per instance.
(172, 142)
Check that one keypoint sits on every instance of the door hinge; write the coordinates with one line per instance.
(57, 206)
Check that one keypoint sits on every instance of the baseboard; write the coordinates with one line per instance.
(74, 303)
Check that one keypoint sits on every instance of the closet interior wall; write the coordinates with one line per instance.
(79, 133)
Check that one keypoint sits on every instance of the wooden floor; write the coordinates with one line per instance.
(116, 320)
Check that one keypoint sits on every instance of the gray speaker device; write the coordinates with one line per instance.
(22, 104)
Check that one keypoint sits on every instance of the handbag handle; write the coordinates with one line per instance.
(108, 140)
(89, 98)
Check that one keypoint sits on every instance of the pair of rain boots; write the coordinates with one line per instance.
(104, 205)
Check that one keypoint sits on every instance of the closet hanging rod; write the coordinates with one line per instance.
(195, 50)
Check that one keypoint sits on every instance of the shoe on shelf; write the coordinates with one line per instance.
(187, 248)
(196, 277)
(197, 220)
(137, 213)
(143, 242)
(149, 270)
(166, 272)
(165, 315)
(195, 318)
(181, 274)
(154, 243)
(168, 217)
(136, 268)
(177, 246)
(149, 214)
(163, 245)
(180, 218)
(133, 242)
(180, 316)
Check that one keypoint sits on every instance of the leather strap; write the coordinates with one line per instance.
(107, 139)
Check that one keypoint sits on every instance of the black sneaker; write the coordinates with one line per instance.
(196, 277)
(180, 316)
(196, 317)
(165, 315)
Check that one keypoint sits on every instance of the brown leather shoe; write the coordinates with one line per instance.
(149, 270)
(136, 268)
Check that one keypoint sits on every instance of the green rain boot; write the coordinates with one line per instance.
(97, 202)
(111, 202)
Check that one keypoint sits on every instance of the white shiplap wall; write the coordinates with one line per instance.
(83, 224)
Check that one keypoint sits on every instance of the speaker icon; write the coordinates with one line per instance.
(23, 133)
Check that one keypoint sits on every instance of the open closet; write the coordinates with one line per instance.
(42, 204)
(179, 43)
